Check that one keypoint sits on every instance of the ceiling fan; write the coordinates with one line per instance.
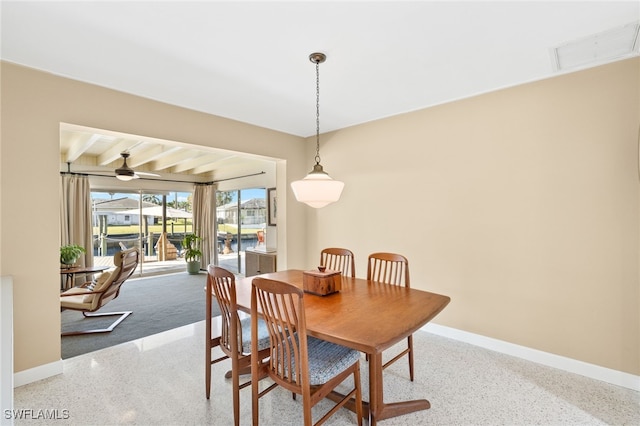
(125, 172)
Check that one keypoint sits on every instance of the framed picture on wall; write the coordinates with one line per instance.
(272, 207)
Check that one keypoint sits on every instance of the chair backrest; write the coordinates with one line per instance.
(126, 262)
(389, 268)
(339, 259)
(223, 285)
(282, 308)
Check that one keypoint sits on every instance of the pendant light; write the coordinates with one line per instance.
(317, 189)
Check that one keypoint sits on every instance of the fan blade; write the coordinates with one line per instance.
(147, 174)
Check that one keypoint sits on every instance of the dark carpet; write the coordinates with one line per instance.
(159, 303)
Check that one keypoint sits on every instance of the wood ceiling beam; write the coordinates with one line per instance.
(114, 152)
(144, 154)
(79, 144)
(200, 160)
(168, 161)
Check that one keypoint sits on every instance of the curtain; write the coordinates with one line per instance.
(75, 215)
(204, 221)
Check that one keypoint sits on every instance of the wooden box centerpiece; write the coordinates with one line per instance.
(322, 281)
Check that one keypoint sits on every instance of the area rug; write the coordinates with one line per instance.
(159, 303)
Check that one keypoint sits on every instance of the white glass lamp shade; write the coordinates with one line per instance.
(125, 172)
(317, 189)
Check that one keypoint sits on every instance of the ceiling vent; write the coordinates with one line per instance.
(607, 46)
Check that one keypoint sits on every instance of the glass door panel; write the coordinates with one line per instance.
(226, 229)
(241, 218)
(119, 223)
(115, 226)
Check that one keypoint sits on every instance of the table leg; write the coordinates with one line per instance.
(378, 410)
(376, 397)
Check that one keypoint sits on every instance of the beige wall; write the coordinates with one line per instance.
(33, 106)
(521, 204)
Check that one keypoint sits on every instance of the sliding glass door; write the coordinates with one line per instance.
(138, 219)
(241, 218)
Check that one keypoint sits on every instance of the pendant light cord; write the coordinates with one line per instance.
(317, 112)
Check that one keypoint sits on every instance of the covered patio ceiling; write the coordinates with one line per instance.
(96, 151)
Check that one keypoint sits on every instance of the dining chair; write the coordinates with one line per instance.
(339, 259)
(235, 334)
(392, 268)
(300, 363)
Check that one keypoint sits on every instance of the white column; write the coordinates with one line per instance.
(6, 350)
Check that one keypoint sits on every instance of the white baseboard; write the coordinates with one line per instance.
(593, 371)
(37, 373)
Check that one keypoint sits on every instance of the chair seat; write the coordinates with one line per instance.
(75, 302)
(327, 360)
(263, 335)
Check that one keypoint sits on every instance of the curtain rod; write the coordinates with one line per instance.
(166, 180)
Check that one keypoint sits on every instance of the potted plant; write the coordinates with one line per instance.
(70, 253)
(192, 253)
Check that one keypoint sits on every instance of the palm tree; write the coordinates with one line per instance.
(223, 197)
(151, 198)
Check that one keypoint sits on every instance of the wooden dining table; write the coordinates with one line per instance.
(367, 316)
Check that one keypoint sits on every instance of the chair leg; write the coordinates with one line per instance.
(255, 395)
(207, 378)
(306, 407)
(235, 378)
(207, 366)
(410, 344)
(356, 382)
(122, 316)
(408, 352)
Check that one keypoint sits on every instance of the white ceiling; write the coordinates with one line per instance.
(248, 61)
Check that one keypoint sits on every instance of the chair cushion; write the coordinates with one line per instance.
(79, 291)
(326, 360)
(263, 335)
(80, 300)
(101, 281)
(84, 300)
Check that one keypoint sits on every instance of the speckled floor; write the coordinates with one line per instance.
(159, 380)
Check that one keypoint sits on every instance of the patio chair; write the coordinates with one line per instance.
(93, 295)
(260, 237)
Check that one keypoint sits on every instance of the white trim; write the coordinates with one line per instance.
(6, 347)
(37, 373)
(593, 371)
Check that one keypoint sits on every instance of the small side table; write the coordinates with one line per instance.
(78, 270)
